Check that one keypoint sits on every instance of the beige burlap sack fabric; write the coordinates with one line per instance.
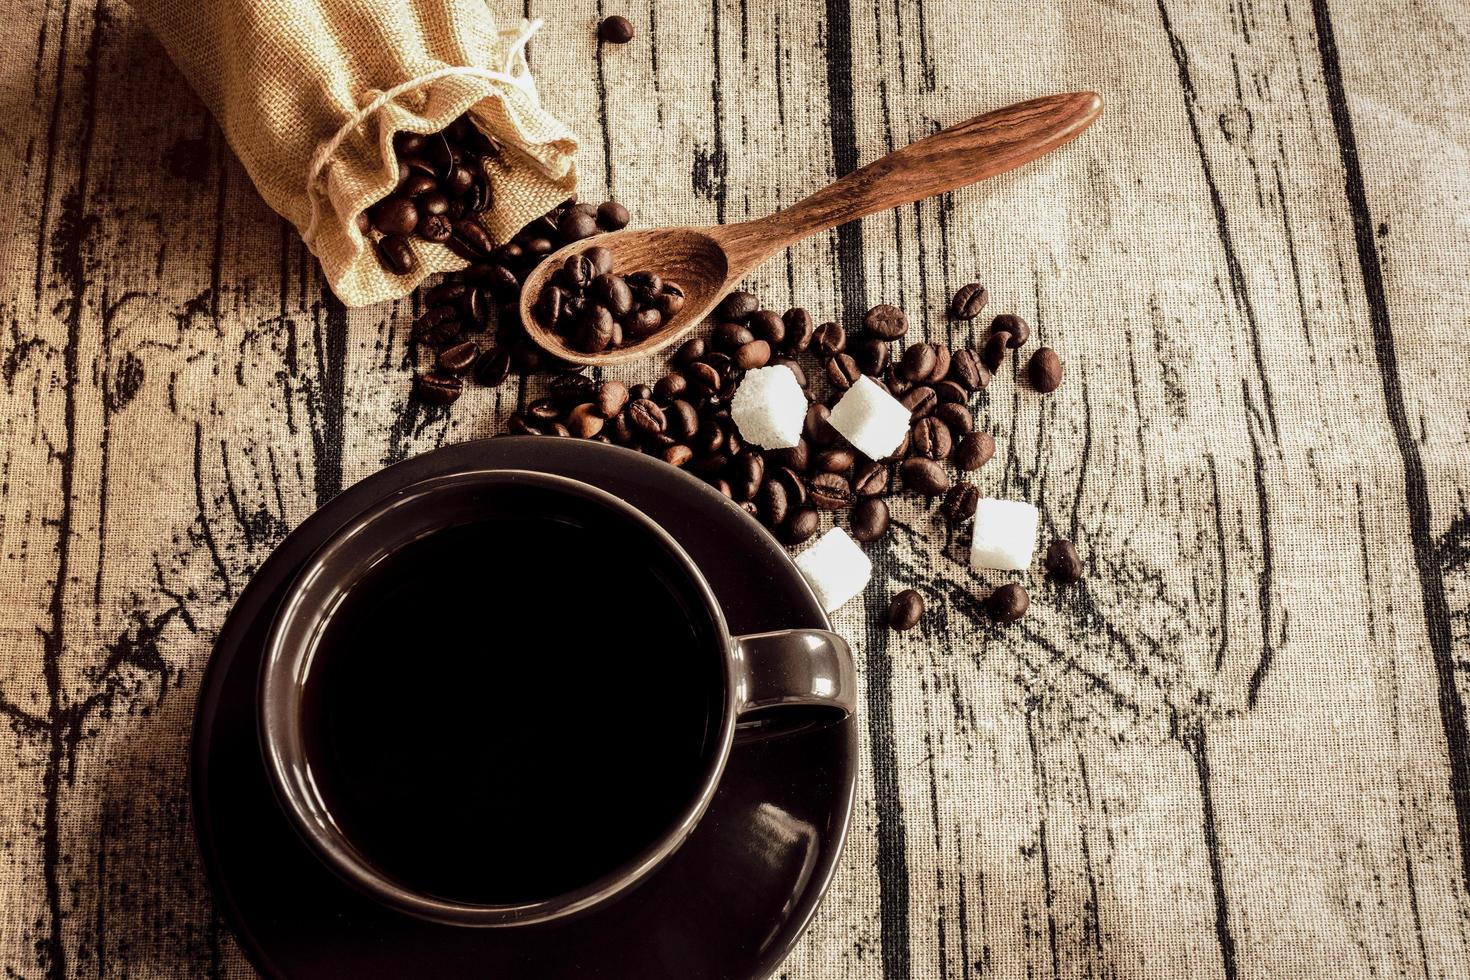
(310, 92)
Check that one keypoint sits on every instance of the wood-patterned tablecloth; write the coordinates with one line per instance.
(1240, 749)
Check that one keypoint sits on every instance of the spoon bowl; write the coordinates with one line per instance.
(691, 257)
(707, 262)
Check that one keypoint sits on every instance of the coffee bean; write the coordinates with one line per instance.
(829, 339)
(575, 273)
(458, 181)
(1062, 561)
(669, 387)
(774, 505)
(472, 235)
(749, 472)
(924, 476)
(616, 29)
(646, 417)
(871, 480)
(503, 284)
(888, 322)
(574, 225)
(931, 439)
(994, 353)
(956, 415)
(799, 526)
(434, 228)
(974, 451)
(445, 294)
(612, 396)
(798, 457)
(941, 366)
(897, 387)
(472, 309)
(572, 389)
(917, 363)
(493, 367)
(601, 259)
(950, 393)
(654, 443)
(842, 371)
(1012, 324)
(834, 461)
(437, 327)
(397, 255)
(799, 329)
(459, 358)
(678, 454)
(614, 294)
(966, 369)
(431, 201)
(518, 426)
(1008, 603)
(731, 335)
(682, 419)
(584, 421)
(905, 610)
(437, 387)
(753, 355)
(1044, 369)
(670, 299)
(968, 301)
(871, 354)
(595, 327)
(869, 519)
(394, 215)
(689, 351)
(960, 503)
(620, 430)
(796, 487)
(830, 491)
(611, 216)
(767, 325)
(703, 377)
(920, 401)
(544, 410)
(537, 247)
(737, 306)
(640, 391)
(710, 438)
(816, 428)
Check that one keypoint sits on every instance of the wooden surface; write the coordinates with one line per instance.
(1239, 750)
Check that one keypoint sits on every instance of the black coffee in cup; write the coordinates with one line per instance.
(504, 711)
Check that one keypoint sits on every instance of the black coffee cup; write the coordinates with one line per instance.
(611, 697)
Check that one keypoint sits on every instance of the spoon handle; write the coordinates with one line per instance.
(962, 154)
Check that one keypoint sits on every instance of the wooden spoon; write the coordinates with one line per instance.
(708, 261)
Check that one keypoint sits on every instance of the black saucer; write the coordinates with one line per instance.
(730, 903)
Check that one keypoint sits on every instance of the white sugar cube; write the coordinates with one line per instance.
(1005, 535)
(870, 418)
(769, 408)
(835, 567)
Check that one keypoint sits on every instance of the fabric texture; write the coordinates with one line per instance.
(1237, 749)
(299, 90)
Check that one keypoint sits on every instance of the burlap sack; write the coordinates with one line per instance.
(310, 92)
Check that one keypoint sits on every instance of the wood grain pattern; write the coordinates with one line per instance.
(1239, 750)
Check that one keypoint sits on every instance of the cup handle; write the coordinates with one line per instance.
(792, 680)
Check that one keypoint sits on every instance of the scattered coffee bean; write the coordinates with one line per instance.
(612, 216)
(869, 519)
(920, 401)
(584, 421)
(994, 352)
(737, 306)
(773, 501)
(615, 29)
(817, 430)
(689, 351)
(1012, 324)
(493, 367)
(575, 225)
(646, 417)
(834, 461)
(968, 301)
(800, 526)
(396, 254)
(974, 451)
(918, 363)
(960, 503)
(888, 322)
(931, 439)
(830, 491)
(1062, 561)
(437, 327)
(438, 387)
(1045, 370)
(956, 415)
(612, 396)
(1008, 603)
(950, 393)
(905, 610)
(871, 480)
(767, 325)
(842, 371)
(678, 454)
(799, 329)
(941, 366)
(572, 389)
(459, 358)
(924, 476)
(829, 339)
(753, 355)
(967, 370)
(872, 355)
